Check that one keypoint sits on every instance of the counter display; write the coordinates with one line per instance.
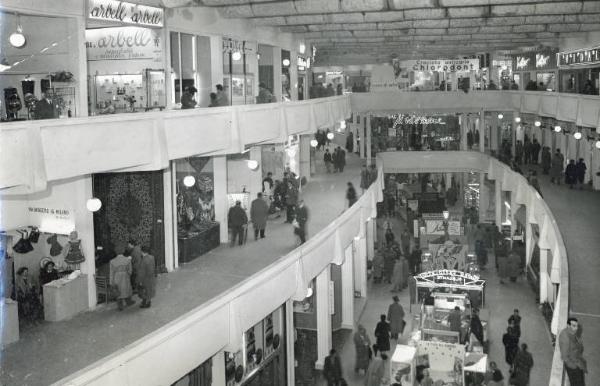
(64, 298)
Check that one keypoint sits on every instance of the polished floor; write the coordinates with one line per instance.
(51, 351)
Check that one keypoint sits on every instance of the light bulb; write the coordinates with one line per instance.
(189, 181)
(236, 55)
(538, 123)
(330, 136)
(598, 144)
(557, 128)
(302, 48)
(518, 119)
(500, 116)
(17, 39)
(93, 204)
(577, 135)
(252, 164)
(342, 124)
(314, 142)
(286, 62)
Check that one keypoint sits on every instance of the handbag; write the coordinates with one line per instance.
(34, 235)
(295, 224)
(23, 245)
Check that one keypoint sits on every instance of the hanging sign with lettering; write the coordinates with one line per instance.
(123, 43)
(442, 65)
(585, 56)
(123, 12)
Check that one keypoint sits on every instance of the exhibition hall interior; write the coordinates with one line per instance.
(299, 192)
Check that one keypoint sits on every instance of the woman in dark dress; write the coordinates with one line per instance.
(48, 274)
(382, 335)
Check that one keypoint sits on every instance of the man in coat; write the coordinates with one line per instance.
(395, 316)
(571, 352)
(546, 159)
(557, 167)
(332, 368)
(382, 335)
(236, 219)
(146, 277)
(259, 210)
(44, 108)
(328, 160)
(301, 218)
(136, 257)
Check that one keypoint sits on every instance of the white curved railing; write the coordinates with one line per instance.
(537, 212)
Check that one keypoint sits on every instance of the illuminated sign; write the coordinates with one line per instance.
(123, 43)
(522, 62)
(303, 63)
(448, 275)
(541, 60)
(123, 12)
(588, 56)
(402, 119)
(442, 65)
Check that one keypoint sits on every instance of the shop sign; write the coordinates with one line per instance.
(442, 65)
(449, 275)
(123, 43)
(333, 73)
(589, 56)
(123, 12)
(303, 63)
(52, 220)
(436, 227)
(402, 119)
(242, 46)
(545, 60)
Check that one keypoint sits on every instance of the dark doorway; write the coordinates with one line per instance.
(132, 207)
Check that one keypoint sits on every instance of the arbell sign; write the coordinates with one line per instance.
(127, 13)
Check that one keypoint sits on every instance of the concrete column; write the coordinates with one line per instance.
(494, 134)
(498, 202)
(169, 219)
(77, 31)
(354, 128)
(528, 238)
(324, 343)
(255, 185)
(513, 209)
(216, 60)
(369, 140)
(294, 75)
(305, 150)
(483, 197)
(544, 278)
(84, 225)
(463, 132)
(289, 339)
(363, 137)
(277, 74)
(348, 288)
(221, 204)
(480, 126)
(218, 369)
(371, 228)
(513, 136)
(360, 266)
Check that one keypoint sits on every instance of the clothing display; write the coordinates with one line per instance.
(74, 254)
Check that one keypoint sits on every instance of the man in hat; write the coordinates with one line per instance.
(237, 218)
(187, 98)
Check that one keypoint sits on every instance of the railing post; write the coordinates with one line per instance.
(324, 343)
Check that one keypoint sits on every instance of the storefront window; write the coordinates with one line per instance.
(197, 231)
(238, 78)
(285, 75)
(191, 67)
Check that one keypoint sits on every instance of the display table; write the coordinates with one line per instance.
(197, 244)
(9, 314)
(65, 298)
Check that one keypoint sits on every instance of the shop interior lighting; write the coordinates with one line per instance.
(598, 144)
(17, 39)
(236, 55)
(330, 136)
(538, 123)
(446, 215)
(500, 116)
(302, 48)
(286, 62)
(342, 124)
(189, 181)
(252, 164)
(93, 204)
(314, 142)
(557, 128)
(518, 119)
(577, 135)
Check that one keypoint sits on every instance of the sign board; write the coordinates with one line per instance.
(126, 13)
(449, 275)
(442, 65)
(436, 227)
(387, 78)
(412, 119)
(52, 219)
(242, 46)
(579, 57)
(123, 43)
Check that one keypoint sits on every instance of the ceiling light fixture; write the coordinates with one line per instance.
(314, 142)
(330, 136)
(93, 204)
(302, 48)
(518, 119)
(598, 144)
(538, 123)
(189, 181)
(500, 116)
(557, 128)
(236, 55)
(286, 62)
(17, 39)
(577, 135)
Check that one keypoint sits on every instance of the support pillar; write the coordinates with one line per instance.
(544, 277)
(483, 199)
(218, 369)
(289, 339)
(371, 229)
(368, 144)
(169, 220)
(463, 132)
(354, 128)
(528, 239)
(348, 288)
(221, 204)
(305, 149)
(361, 129)
(480, 127)
(513, 211)
(293, 75)
(277, 86)
(498, 202)
(360, 266)
(255, 175)
(324, 342)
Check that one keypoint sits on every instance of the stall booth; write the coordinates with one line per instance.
(535, 71)
(435, 350)
(580, 71)
(126, 63)
(262, 359)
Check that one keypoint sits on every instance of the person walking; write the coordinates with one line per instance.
(510, 340)
(389, 258)
(328, 160)
(259, 211)
(362, 346)
(546, 160)
(120, 278)
(382, 335)
(493, 377)
(291, 200)
(571, 174)
(146, 278)
(351, 194)
(389, 235)
(522, 367)
(476, 326)
(135, 252)
(580, 169)
(395, 316)
(301, 219)
(237, 219)
(571, 352)
(376, 370)
(365, 178)
(398, 281)
(455, 320)
(405, 241)
(556, 167)
(535, 151)
(515, 319)
(332, 368)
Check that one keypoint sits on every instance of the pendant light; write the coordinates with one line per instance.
(17, 39)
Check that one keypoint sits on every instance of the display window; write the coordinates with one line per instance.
(238, 70)
(38, 68)
(190, 70)
(197, 230)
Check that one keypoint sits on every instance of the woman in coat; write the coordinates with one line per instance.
(546, 159)
(120, 277)
(362, 345)
(382, 335)
(571, 174)
(146, 278)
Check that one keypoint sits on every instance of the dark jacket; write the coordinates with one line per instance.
(382, 334)
(332, 368)
(302, 216)
(236, 216)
